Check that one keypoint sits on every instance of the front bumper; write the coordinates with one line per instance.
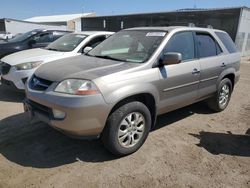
(85, 115)
(18, 78)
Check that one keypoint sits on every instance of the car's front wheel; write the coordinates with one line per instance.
(127, 128)
(222, 97)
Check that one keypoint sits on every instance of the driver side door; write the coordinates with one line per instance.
(179, 82)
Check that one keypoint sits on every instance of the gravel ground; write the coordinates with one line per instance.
(190, 147)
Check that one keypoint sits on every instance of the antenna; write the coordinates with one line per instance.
(195, 4)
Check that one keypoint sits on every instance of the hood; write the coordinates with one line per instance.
(36, 54)
(81, 67)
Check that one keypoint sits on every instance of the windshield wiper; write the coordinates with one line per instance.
(108, 57)
(53, 49)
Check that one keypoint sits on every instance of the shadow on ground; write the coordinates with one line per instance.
(9, 95)
(225, 143)
(182, 113)
(38, 145)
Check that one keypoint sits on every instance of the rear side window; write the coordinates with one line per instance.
(207, 46)
(182, 43)
(227, 41)
(94, 42)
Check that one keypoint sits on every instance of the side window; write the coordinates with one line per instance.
(182, 43)
(95, 41)
(44, 38)
(227, 41)
(207, 46)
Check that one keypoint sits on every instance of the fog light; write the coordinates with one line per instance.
(58, 114)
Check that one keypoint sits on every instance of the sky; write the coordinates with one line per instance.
(22, 9)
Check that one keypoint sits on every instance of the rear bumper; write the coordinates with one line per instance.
(237, 77)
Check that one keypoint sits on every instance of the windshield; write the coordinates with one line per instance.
(129, 45)
(22, 37)
(66, 43)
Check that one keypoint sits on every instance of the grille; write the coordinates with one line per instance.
(39, 84)
(40, 108)
(5, 68)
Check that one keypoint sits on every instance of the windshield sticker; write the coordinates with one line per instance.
(156, 34)
(80, 36)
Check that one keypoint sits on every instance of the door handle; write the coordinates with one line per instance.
(223, 65)
(196, 71)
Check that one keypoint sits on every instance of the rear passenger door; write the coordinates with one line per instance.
(180, 82)
(211, 63)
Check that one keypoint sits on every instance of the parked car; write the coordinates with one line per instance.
(33, 39)
(119, 88)
(19, 66)
(5, 35)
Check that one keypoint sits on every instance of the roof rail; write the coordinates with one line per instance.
(210, 26)
(191, 25)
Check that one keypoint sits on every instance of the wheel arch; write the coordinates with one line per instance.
(146, 98)
(230, 74)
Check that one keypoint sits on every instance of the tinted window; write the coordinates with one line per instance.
(207, 47)
(95, 41)
(44, 38)
(227, 41)
(182, 43)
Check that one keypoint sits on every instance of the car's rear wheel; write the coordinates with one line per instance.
(222, 97)
(127, 128)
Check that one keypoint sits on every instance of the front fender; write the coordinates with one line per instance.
(117, 95)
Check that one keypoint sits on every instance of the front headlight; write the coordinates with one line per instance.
(77, 87)
(28, 65)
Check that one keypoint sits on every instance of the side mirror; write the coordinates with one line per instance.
(32, 42)
(171, 58)
(87, 49)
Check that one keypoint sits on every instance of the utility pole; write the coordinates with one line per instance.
(195, 4)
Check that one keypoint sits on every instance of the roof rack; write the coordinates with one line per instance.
(210, 26)
(191, 25)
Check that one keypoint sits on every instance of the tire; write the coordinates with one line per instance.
(118, 123)
(215, 103)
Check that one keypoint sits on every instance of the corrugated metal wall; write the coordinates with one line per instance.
(235, 21)
(225, 19)
(2, 25)
(243, 35)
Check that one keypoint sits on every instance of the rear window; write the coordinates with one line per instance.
(227, 41)
(207, 47)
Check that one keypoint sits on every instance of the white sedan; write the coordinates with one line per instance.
(5, 35)
(17, 67)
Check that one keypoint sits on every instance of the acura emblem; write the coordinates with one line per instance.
(35, 81)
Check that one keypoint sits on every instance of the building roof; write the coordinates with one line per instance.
(177, 11)
(58, 18)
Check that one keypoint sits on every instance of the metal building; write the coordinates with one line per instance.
(71, 21)
(18, 26)
(236, 21)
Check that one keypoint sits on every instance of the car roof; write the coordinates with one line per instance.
(52, 30)
(171, 28)
(94, 32)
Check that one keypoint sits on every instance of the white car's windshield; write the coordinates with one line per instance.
(135, 46)
(66, 43)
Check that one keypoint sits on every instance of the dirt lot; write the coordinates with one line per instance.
(190, 147)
